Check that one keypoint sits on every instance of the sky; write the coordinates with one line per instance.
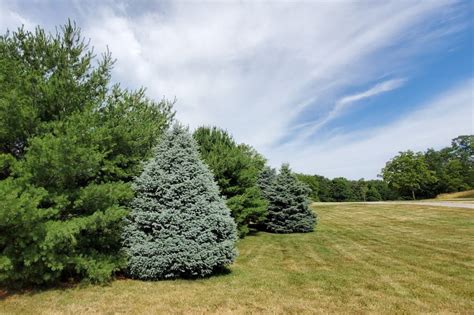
(335, 88)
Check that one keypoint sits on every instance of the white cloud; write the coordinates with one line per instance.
(247, 66)
(377, 89)
(11, 19)
(255, 68)
(365, 153)
(342, 105)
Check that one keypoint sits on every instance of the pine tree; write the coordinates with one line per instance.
(70, 143)
(288, 210)
(179, 225)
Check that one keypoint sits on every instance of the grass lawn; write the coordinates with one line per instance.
(363, 258)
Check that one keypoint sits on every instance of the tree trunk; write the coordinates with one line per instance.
(413, 194)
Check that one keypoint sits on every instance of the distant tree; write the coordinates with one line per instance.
(236, 168)
(360, 188)
(386, 192)
(341, 189)
(463, 150)
(312, 183)
(179, 225)
(463, 147)
(288, 210)
(408, 172)
(373, 194)
(324, 188)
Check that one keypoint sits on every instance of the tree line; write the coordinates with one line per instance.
(408, 175)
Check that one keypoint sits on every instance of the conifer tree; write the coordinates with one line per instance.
(266, 179)
(235, 168)
(70, 144)
(288, 210)
(179, 225)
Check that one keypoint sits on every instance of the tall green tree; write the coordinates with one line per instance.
(408, 172)
(236, 168)
(288, 210)
(71, 143)
(179, 225)
(45, 78)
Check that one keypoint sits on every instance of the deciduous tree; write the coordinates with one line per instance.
(408, 172)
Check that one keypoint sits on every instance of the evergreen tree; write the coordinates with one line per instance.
(288, 210)
(71, 143)
(179, 225)
(235, 168)
(266, 179)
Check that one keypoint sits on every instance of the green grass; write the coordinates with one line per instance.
(363, 258)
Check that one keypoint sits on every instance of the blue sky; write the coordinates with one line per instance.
(333, 88)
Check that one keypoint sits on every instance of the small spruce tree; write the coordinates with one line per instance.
(179, 225)
(288, 210)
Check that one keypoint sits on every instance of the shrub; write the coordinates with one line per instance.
(179, 226)
(288, 210)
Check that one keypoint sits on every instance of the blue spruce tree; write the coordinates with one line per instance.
(179, 225)
(288, 210)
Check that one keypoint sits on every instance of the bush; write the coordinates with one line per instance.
(179, 226)
(288, 210)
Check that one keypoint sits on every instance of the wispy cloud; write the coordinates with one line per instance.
(364, 153)
(377, 89)
(309, 128)
(257, 69)
(245, 66)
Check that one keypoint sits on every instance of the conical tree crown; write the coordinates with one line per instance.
(179, 225)
(265, 180)
(288, 210)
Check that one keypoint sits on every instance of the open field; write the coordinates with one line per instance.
(381, 258)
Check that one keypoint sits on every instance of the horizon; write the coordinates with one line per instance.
(335, 97)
